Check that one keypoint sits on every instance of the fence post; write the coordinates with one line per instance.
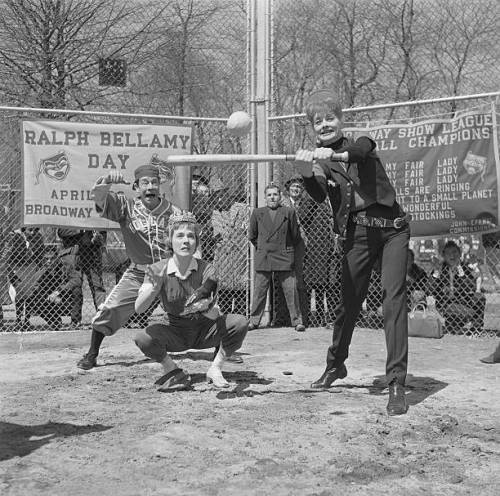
(259, 72)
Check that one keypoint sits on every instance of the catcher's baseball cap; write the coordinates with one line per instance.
(321, 102)
(146, 171)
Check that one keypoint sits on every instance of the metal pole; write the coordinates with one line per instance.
(477, 96)
(259, 71)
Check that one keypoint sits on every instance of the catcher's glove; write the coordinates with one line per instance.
(202, 300)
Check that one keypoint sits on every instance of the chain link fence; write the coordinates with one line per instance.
(373, 53)
(188, 57)
(480, 254)
(82, 266)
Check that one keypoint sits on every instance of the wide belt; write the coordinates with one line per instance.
(365, 220)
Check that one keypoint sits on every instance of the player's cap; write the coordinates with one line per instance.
(146, 171)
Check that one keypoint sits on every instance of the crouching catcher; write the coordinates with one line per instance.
(187, 287)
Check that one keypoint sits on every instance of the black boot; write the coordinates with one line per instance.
(397, 400)
(329, 376)
(89, 361)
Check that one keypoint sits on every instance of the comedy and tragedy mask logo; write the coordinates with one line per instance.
(475, 164)
(55, 167)
(167, 171)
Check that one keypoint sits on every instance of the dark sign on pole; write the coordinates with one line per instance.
(112, 72)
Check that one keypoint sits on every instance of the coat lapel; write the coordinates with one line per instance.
(278, 220)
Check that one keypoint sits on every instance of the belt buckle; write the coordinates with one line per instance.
(399, 222)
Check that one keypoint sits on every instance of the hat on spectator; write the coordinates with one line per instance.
(294, 180)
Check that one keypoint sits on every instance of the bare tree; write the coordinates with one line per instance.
(464, 41)
(49, 49)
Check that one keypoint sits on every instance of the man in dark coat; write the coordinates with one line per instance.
(90, 245)
(274, 231)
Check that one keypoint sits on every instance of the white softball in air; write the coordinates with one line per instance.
(239, 124)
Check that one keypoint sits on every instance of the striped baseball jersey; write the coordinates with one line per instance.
(144, 231)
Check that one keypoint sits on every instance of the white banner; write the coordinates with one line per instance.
(62, 161)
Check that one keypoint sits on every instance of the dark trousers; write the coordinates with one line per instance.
(228, 331)
(91, 268)
(363, 246)
(280, 315)
(261, 286)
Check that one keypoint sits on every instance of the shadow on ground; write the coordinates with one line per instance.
(21, 440)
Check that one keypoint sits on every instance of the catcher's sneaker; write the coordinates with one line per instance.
(89, 361)
(175, 380)
(215, 377)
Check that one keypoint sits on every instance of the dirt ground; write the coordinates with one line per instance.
(108, 431)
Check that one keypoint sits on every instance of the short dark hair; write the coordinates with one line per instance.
(272, 185)
(451, 244)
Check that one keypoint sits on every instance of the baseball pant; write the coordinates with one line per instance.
(120, 303)
(228, 331)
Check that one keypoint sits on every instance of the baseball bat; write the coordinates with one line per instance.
(236, 158)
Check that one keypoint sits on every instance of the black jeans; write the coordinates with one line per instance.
(362, 247)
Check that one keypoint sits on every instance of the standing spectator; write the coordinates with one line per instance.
(374, 226)
(454, 287)
(22, 269)
(143, 222)
(202, 208)
(274, 232)
(52, 294)
(297, 199)
(90, 245)
(37, 245)
(230, 260)
(313, 257)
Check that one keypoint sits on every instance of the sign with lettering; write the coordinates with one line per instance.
(445, 171)
(62, 161)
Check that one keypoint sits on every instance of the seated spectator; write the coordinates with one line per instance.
(52, 294)
(454, 287)
(416, 283)
(473, 264)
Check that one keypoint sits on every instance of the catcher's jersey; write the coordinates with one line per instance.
(144, 231)
(174, 291)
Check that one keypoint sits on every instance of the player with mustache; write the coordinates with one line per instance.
(143, 222)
